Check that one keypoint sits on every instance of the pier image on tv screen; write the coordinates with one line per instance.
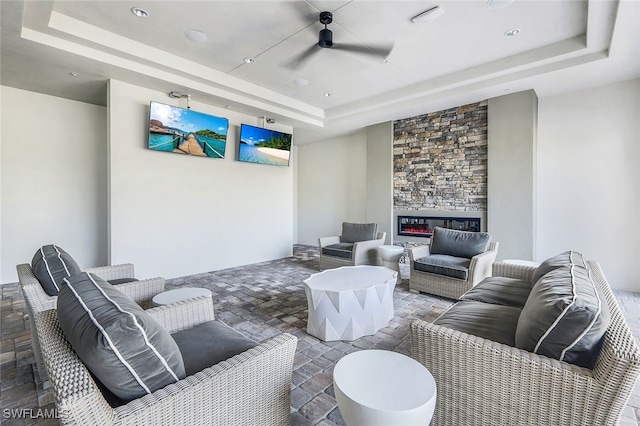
(184, 131)
(264, 146)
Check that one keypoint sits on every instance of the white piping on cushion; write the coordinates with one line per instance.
(46, 265)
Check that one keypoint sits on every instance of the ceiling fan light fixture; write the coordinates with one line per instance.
(326, 38)
(428, 15)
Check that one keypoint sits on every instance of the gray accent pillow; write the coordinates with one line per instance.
(500, 291)
(51, 264)
(344, 250)
(458, 243)
(208, 344)
(493, 322)
(354, 232)
(440, 264)
(566, 258)
(122, 345)
(564, 317)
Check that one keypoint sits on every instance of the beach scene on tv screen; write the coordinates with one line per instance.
(264, 146)
(184, 131)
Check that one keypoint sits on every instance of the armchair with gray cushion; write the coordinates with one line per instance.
(357, 245)
(452, 263)
(41, 280)
(112, 363)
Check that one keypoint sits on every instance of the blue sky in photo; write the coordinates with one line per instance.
(187, 120)
(252, 135)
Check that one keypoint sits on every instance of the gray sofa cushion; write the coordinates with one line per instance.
(51, 264)
(563, 259)
(458, 243)
(500, 291)
(565, 317)
(122, 346)
(344, 250)
(354, 232)
(208, 344)
(450, 266)
(492, 322)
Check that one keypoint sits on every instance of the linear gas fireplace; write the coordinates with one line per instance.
(422, 226)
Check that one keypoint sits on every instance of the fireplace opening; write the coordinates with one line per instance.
(422, 226)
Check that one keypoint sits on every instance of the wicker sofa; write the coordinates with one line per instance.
(482, 382)
(252, 388)
(37, 300)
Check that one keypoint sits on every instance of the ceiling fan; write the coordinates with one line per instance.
(325, 41)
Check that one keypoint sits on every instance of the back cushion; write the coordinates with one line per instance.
(51, 265)
(458, 243)
(354, 232)
(124, 347)
(559, 260)
(564, 317)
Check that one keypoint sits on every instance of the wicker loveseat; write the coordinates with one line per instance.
(484, 382)
(252, 388)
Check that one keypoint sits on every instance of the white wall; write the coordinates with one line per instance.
(589, 178)
(173, 215)
(332, 186)
(511, 178)
(380, 177)
(54, 179)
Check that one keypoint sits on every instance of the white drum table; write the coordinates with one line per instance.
(390, 256)
(381, 388)
(179, 294)
(349, 302)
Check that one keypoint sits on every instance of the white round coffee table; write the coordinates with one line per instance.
(381, 388)
(349, 302)
(390, 256)
(172, 296)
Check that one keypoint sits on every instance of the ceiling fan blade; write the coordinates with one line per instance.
(304, 56)
(380, 51)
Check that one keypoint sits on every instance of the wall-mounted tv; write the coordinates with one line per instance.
(264, 146)
(184, 131)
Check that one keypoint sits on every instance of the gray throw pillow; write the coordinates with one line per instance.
(458, 243)
(354, 232)
(122, 345)
(566, 258)
(565, 317)
(51, 264)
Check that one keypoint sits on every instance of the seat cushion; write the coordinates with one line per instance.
(450, 266)
(567, 258)
(458, 243)
(123, 346)
(344, 250)
(354, 232)
(208, 344)
(51, 265)
(500, 291)
(564, 317)
(493, 322)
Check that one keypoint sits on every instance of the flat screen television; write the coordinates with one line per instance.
(184, 131)
(264, 146)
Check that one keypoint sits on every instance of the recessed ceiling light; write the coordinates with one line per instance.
(507, 90)
(512, 32)
(250, 60)
(196, 36)
(300, 82)
(73, 74)
(498, 4)
(139, 12)
(327, 94)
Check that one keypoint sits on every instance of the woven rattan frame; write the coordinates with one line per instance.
(452, 288)
(37, 300)
(481, 382)
(252, 388)
(364, 252)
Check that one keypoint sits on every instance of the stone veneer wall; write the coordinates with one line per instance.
(440, 160)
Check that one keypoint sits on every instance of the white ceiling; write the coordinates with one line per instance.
(460, 57)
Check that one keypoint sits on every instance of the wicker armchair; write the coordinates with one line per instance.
(481, 382)
(354, 247)
(449, 287)
(37, 300)
(252, 388)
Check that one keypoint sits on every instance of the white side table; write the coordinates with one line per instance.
(522, 262)
(349, 302)
(390, 256)
(172, 296)
(381, 388)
